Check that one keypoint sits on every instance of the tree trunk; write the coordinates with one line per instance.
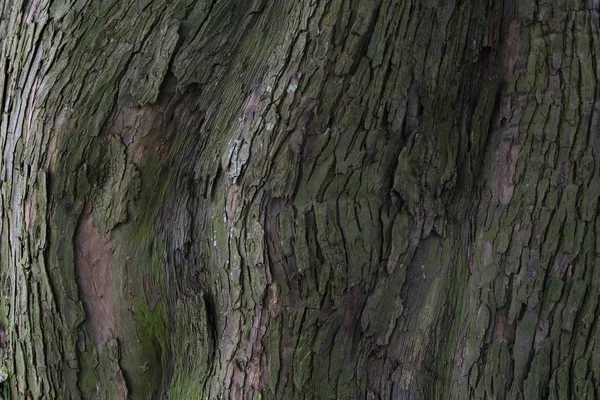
(327, 199)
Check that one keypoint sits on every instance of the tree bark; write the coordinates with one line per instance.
(327, 199)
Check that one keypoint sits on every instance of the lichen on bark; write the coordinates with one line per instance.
(276, 199)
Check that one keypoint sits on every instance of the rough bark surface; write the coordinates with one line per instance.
(328, 199)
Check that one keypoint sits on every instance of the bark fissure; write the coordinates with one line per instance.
(326, 199)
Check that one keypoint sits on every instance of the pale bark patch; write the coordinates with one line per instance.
(93, 253)
(29, 209)
(488, 254)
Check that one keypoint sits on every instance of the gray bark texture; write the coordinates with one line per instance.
(299, 199)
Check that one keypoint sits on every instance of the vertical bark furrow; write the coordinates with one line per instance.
(327, 199)
(537, 243)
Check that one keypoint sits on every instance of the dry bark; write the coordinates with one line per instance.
(299, 199)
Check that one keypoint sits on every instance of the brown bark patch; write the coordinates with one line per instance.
(29, 208)
(514, 44)
(62, 123)
(121, 386)
(273, 300)
(145, 130)
(499, 328)
(233, 201)
(504, 185)
(92, 257)
(151, 292)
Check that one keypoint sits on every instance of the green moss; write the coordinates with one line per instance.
(87, 380)
(574, 301)
(554, 292)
